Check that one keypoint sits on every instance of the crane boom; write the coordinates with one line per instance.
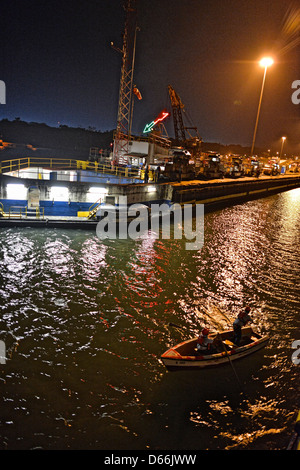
(177, 107)
(123, 130)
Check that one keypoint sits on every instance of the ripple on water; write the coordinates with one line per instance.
(89, 319)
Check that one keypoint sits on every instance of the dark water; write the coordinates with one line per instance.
(85, 322)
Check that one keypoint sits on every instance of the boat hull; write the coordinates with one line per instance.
(173, 360)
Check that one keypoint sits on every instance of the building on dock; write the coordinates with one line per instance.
(31, 187)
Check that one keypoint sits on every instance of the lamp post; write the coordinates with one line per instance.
(265, 62)
(283, 139)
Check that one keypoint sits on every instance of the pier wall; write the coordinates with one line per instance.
(217, 192)
(207, 192)
(78, 197)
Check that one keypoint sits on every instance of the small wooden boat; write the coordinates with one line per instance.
(184, 355)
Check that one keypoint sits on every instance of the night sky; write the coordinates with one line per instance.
(59, 68)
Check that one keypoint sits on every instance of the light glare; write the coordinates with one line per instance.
(266, 62)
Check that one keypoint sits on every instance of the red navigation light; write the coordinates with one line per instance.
(149, 127)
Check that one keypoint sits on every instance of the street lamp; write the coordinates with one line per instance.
(265, 62)
(283, 139)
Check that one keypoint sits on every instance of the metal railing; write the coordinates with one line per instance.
(57, 164)
(22, 212)
(40, 213)
(17, 211)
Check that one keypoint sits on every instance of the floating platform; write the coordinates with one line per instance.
(50, 223)
(214, 194)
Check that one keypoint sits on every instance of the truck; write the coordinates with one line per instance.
(180, 166)
(211, 166)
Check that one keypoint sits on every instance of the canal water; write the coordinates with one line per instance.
(85, 321)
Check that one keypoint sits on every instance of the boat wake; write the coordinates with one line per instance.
(216, 318)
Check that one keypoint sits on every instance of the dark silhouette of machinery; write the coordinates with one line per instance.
(186, 145)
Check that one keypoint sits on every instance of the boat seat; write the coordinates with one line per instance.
(229, 344)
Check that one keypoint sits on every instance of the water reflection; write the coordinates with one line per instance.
(93, 259)
(287, 235)
(89, 320)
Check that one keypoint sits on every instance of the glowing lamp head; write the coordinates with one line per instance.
(266, 62)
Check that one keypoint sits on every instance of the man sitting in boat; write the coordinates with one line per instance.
(204, 344)
(242, 320)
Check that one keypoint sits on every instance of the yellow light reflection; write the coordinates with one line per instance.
(290, 216)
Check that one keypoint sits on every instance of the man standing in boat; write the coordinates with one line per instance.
(242, 320)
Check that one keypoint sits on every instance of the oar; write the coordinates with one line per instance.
(177, 326)
(233, 368)
(228, 356)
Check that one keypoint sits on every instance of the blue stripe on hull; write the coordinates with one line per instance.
(56, 208)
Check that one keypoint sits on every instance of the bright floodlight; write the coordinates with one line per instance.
(266, 62)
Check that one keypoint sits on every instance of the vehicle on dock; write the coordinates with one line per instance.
(251, 167)
(234, 168)
(271, 169)
(211, 166)
(255, 168)
(294, 167)
(180, 167)
(184, 355)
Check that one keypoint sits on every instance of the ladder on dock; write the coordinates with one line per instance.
(94, 207)
(2, 213)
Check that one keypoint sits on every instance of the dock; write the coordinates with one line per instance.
(214, 194)
(229, 190)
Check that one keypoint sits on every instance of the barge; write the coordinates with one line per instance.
(71, 192)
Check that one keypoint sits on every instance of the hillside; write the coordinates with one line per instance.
(41, 140)
(20, 139)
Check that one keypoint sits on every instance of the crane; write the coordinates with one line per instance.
(177, 107)
(123, 129)
(190, 145)
(180, 129)
(206, 167)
